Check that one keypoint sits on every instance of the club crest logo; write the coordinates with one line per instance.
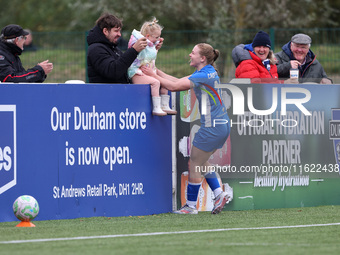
(334, 133)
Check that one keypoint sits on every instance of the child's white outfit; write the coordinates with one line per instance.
(145, 57)
(148, 57)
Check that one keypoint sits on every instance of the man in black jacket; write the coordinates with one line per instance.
(106, 63)
(12, 40)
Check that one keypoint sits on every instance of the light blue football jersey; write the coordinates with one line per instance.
(205, 81)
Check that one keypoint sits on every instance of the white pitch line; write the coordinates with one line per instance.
(245, 197)
(266, 244)
(163, 233)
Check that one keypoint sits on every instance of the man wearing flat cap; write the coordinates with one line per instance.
(296, 54)
(12, 40)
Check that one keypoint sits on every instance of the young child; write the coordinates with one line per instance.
(151, 30)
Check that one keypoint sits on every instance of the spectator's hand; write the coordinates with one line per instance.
(294, 64)
(159, 45)
(147, 70)
(291, 81)
(140, 44)
(47, 66)
(325, 81)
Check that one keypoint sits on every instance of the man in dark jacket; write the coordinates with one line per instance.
(12, 40)
(106, 63)
(296, 54)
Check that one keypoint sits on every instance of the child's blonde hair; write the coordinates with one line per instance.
(150, 26)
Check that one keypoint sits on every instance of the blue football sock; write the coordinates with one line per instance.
(192, 193)
(212, 180)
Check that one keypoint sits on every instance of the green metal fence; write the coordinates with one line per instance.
(67, 50)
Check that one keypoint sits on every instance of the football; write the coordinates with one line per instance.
(25, 208)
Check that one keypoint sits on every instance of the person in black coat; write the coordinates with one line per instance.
(106, 63)
(12, 41)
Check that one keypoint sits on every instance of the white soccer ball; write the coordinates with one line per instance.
(25, 208)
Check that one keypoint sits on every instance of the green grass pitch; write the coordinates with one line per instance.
(308, 230)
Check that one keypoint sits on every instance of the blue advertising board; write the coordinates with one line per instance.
(83, 150)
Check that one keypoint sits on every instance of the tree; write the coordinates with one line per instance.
(173, 14)
(54, 15)
(335, 17)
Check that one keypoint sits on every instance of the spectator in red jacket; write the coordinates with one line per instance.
(256, 60)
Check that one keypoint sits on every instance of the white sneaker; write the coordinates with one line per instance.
(186, 210)
(220, 202)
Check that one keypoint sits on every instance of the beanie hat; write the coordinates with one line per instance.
(262, 39)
